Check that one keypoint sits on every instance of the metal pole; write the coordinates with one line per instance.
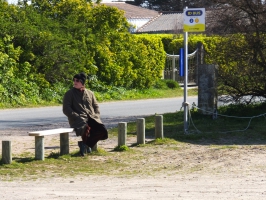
(173, 67)
(185, 104)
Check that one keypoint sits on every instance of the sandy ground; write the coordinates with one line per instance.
(193, 186)
(229, 173)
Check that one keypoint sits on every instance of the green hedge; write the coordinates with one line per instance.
(44, 44)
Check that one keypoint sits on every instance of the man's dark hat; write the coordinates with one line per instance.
(81, 76)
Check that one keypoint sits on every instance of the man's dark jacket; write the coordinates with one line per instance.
(80, 106)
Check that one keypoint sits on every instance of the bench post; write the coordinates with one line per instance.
(6, 152)
(39, 147)
(64, 143)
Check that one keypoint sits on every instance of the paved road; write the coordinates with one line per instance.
(122, 110)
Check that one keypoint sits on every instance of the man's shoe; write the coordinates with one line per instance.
(89, 150)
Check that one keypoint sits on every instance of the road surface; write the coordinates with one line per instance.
(120, 110)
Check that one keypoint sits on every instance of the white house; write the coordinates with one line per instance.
(137, 16)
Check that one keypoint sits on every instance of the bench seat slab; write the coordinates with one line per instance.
(39, 141)
(51, 132)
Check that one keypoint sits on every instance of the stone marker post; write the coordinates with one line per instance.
(207, 89)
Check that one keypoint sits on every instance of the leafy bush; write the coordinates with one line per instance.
(172, 84)
(160, 84)
(165, 84)
(54, 40)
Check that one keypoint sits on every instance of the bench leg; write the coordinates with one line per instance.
(39, 147)
(64, 143)
(6, 152)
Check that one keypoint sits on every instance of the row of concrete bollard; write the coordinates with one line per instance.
(122, 136)
(122, 130)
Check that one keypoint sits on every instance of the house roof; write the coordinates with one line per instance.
(168, 22)
(171, 23)
(132, 11)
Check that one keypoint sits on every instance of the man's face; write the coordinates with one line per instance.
(77, 84)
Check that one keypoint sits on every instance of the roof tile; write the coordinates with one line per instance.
(164, 22)
(132, 11)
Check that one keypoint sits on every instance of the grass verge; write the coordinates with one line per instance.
(119, 94)
(163, 155)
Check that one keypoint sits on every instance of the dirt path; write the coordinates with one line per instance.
(192, 186)
(197, 172)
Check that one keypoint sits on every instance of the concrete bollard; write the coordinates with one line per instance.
(141, 131)
(122, 133)
(6, 152)
(158, 126)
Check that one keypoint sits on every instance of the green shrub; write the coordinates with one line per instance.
(172, 84)
(160, 84)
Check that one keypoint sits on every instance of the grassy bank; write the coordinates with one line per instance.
(152, 93)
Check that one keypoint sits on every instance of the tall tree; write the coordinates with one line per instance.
(243, 47)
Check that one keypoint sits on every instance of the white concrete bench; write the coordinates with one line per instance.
(39, 141)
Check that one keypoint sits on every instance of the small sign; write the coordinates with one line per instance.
(194, 19)
(181, 62)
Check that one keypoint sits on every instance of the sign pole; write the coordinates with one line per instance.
(185, 104)
(194, 21)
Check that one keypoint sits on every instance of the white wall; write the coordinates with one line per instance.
(137, 23)
(12, 1)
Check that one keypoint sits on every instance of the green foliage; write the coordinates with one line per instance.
(243, 110)
(160, 84)
(53, 93)
(150, 60)
(42, 45)
(166, 84)
(121, 148)
(172, 84)
(17, 84)
(241, 68)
